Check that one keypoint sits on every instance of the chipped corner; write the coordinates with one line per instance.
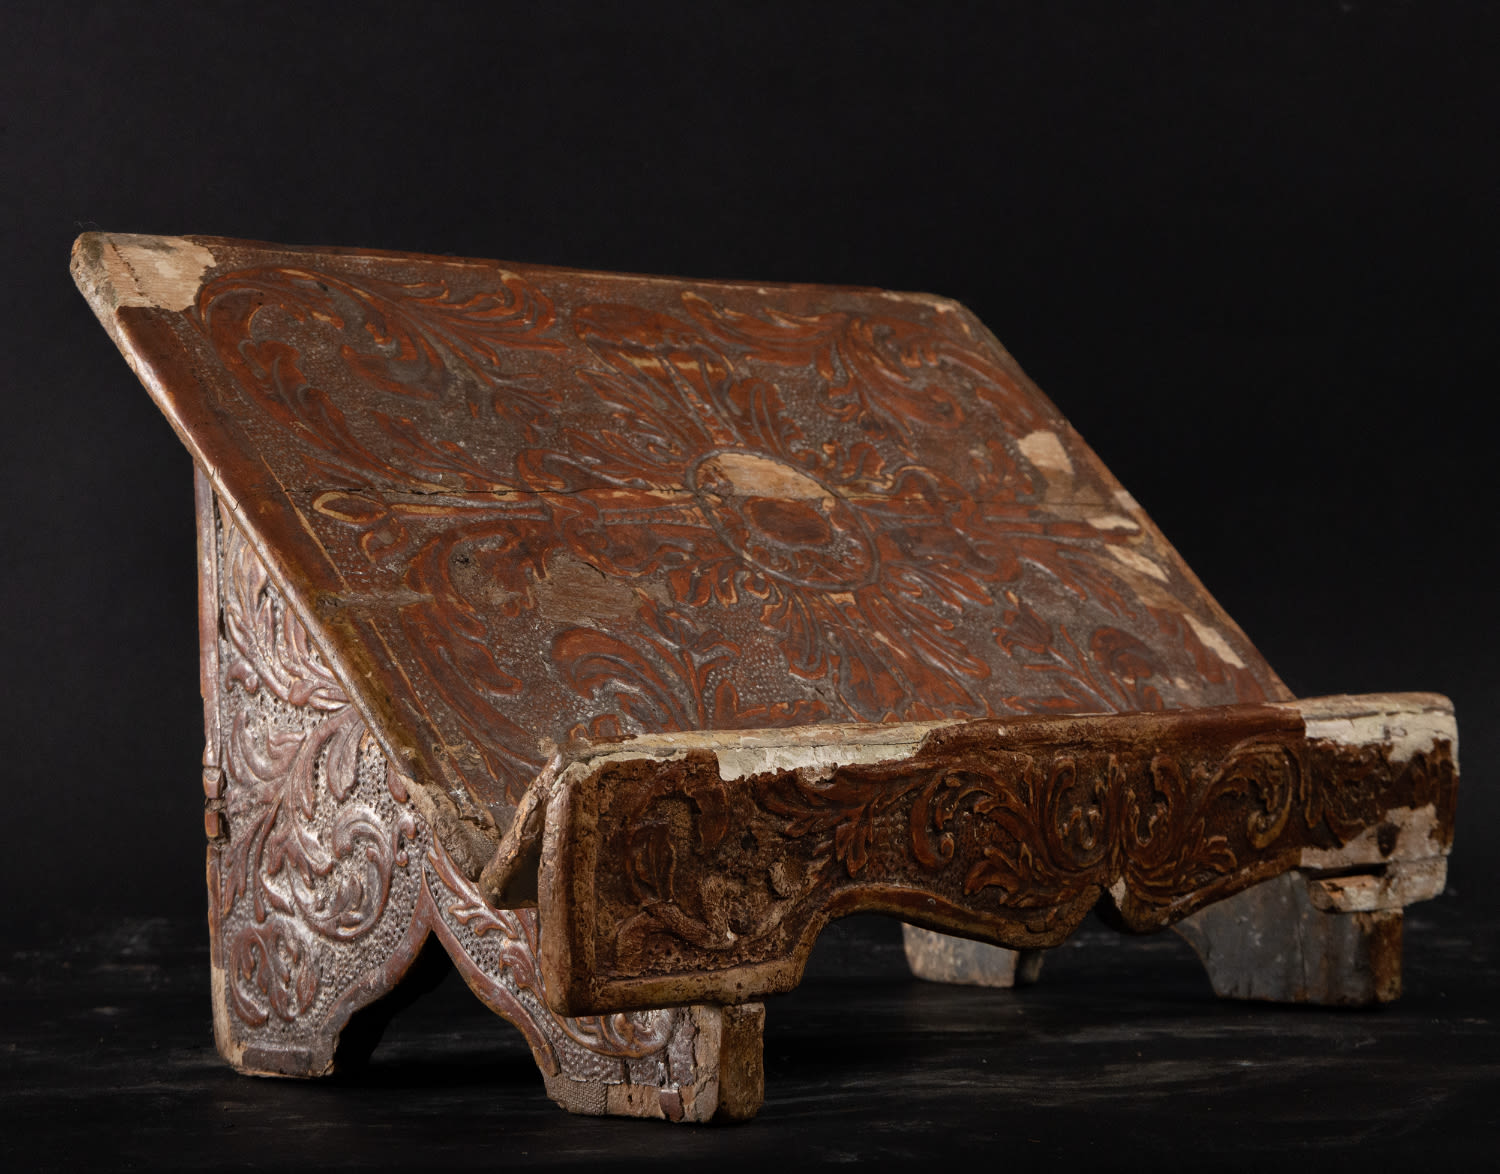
(115, 270)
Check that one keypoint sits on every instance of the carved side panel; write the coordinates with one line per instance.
(313, 892)
(325, 880)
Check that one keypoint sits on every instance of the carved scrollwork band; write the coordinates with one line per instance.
(666, 872)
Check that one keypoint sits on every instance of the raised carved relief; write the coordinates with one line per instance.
(312, 875)
(325, 880)
(526, 508)
(1010, 833)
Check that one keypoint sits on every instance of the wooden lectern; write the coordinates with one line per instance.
(617, 632)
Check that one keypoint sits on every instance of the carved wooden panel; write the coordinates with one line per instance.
(468, 513)
(520, 503)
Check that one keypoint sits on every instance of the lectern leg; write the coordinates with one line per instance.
(1273, 942)
(284, 992)
(939, 957)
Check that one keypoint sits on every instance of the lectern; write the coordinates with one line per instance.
(615, 633)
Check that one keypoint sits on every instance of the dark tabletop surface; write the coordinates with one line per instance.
(1120, 1057)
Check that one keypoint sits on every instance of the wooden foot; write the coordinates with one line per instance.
(939, 957)
(326, 882)
(695, 1064)
(1285, 941)
(284, 993)
(713, 1073)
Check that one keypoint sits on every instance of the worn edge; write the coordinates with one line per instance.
(106, 268)
(1349, 719)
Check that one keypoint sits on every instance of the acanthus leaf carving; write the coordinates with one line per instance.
(272, 971)
(513, 934)
(308, 856)
(266, 650)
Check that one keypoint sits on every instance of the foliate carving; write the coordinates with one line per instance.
(265, 645)
(271, 969)
(1357, 803)
(314, 877)
(1011, 833)
(328, 879)
(601, 508)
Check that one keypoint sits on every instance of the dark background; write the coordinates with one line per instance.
(1249, 249)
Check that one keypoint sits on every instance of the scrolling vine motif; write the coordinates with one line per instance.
(309, 867)
(631, 1035)
(1019, 835)
(772, 510)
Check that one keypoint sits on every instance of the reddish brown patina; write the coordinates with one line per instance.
(696, 614)
(525, 503)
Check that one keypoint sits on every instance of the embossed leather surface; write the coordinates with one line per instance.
(520, 503)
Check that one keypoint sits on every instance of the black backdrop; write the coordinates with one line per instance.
(1249, 249)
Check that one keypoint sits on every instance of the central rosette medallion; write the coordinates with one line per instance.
(784, 521)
